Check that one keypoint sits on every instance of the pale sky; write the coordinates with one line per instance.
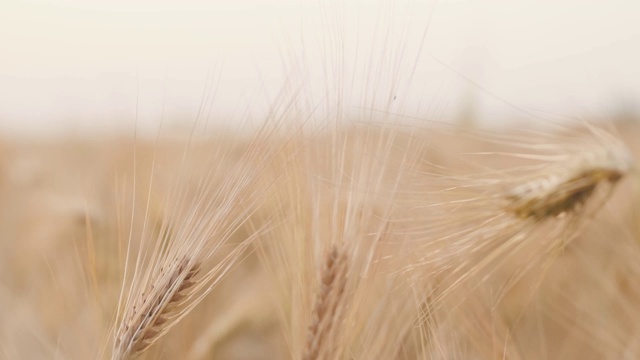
(88, 65)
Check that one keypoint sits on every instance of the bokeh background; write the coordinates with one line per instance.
(92, 65)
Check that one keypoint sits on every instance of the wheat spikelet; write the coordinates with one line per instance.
(153, 309)
(333, 280)
(331, 248)
(506, 243)
(469, 231)
(199, 232)
(568, 191)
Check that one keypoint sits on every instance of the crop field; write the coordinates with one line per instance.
(345, 241)
(319, 180)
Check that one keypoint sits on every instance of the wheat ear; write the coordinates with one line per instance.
(329, 297)
(555, 195)
(156, 305)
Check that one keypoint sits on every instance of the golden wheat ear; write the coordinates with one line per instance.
(479, 235)
(329, 252)
(333, 277)
(569, 190)
(155, 307)
(471, 226)
(177, 258)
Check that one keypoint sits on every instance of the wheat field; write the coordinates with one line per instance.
(324, 180)
(344, 240)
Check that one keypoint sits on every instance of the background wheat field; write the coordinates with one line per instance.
(350, 241)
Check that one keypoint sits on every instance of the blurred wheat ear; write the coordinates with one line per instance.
(570, 190)
(333, 277)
